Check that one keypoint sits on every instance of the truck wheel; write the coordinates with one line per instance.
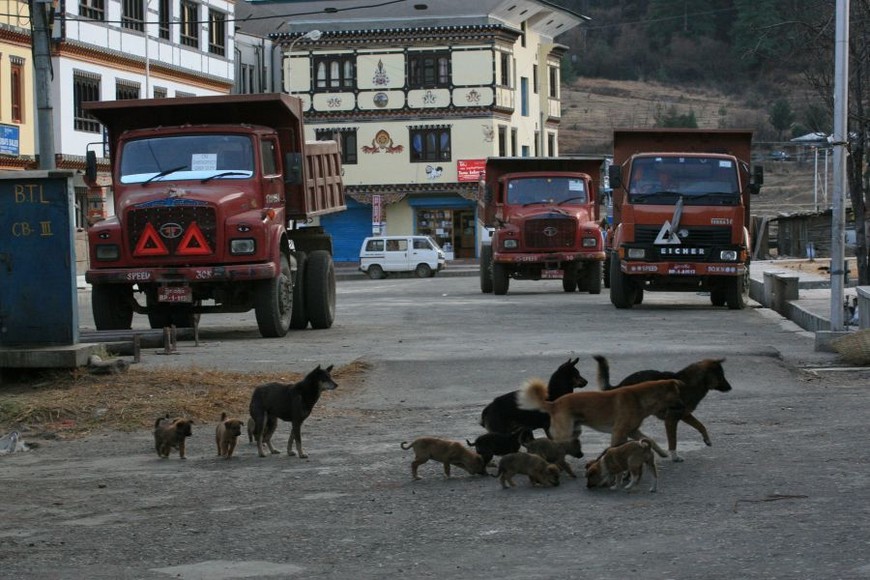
(638, 295)
(423, 271)
(299, 318)
(569, 278)
(592, 274)
(110, 304)
(736, 292)
(605, 266)
(622, 290)
(320, 289)
(273, 302)
(717, 297)
(500, 279)
(159, 315)
(486, 269)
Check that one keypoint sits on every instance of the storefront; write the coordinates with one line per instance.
(450, 221)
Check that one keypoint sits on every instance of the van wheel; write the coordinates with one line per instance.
(423, 271)
(299, 318)
(320, 289)
(486, 269)
(273, 302)
(375, 272)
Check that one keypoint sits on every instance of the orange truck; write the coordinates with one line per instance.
(542, 214)
(681, 214)
(209, 195)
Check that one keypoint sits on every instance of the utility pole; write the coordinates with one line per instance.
(841, 139)
(41, 38)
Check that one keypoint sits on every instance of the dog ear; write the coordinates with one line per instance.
(574, 361)
(329, 368)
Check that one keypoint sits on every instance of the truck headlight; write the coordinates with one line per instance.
(728, 255)
(590, 242)
(510, 244)
(244, 246)
(636, 253)
(107, 252)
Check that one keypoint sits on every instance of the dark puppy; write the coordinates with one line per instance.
(289, 402)
(447, 453)
(251, 425)
(490, 444)
(226, 435)
(698, 378)
(503, 415)
(539, 471)
(171, 434)
(555, 451)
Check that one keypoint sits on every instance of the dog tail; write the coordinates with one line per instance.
(533, 396)
(470, 444)
(603, 373)
(159, 419)
(403, 443)
(645, 442)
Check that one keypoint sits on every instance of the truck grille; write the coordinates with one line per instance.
(700, 236)
(170, 227)
(550, 233)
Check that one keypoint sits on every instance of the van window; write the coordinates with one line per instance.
(375, 246)
(422, 244)
(397, 245)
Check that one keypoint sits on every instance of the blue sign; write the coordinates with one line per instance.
(9, 142)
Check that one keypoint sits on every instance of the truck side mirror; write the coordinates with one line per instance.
(293, 168)
(757, 179)
(614, 173)
(90, 167)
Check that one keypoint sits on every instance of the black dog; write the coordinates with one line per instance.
(698, 378)
(503, 415)
(289, 402)
(490, 444)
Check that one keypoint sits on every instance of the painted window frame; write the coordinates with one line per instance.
(133, 15)
(347, 140)
(217, 32)
(429, 144)
(334, 72)
(93, 9)
(429, 70)
(85, 84)
(16, 88)
(189, 24)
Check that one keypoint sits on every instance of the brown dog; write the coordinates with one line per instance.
(536, 467)
(555, 451)
(447, 452)
(619, 412)
(610, 467)
(226, 435)
(699, 379)
(171, 433)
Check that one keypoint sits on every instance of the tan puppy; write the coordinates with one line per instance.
(555, 451)
(447, 452)
(226, 435)
(171, 433)
(539, 471)
(630, 457)
(619, 412)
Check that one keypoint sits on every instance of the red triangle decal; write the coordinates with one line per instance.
(150, 244)
(193, 243)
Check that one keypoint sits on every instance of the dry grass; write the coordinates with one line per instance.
(72, 404)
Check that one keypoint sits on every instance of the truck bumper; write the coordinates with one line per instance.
(188, 274)
(548, 257)
(682, 269)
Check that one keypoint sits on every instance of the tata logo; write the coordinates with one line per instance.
(550, 231)
(171, 231)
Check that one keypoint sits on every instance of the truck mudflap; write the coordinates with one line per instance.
(548, 257)
(682, 269)
(189, 274)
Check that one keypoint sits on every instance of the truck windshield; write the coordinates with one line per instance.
(697, 178)
(187, 157)
(530, 190)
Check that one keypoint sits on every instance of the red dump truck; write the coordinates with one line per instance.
(681, 214)
(209, 193)
(543, 215)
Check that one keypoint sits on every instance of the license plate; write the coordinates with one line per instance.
(552, 274)
(175, 294)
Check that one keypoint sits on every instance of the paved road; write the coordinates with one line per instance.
(782, 493)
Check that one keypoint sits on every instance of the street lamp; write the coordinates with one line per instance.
(310, 35)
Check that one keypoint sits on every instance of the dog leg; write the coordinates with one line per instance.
(635, 477)
(699, 427)
(447, 469)
(655, 475)
(230, 448)
(268, 431)
(414, 465)
(296, 434)
(566, 468)
(181, 449)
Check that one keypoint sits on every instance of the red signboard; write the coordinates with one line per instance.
(470, 169)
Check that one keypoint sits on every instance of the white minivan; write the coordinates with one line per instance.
(383, 254)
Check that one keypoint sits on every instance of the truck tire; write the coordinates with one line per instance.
(569, 278)
(717, 297)
(320, 289)
(423, 271)
(486, 269)
(736, 291)
(605, 266)
(299, 317)
(110, 304)
(592, 275)
(501, 280)
(622, 290)
(273, 302)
